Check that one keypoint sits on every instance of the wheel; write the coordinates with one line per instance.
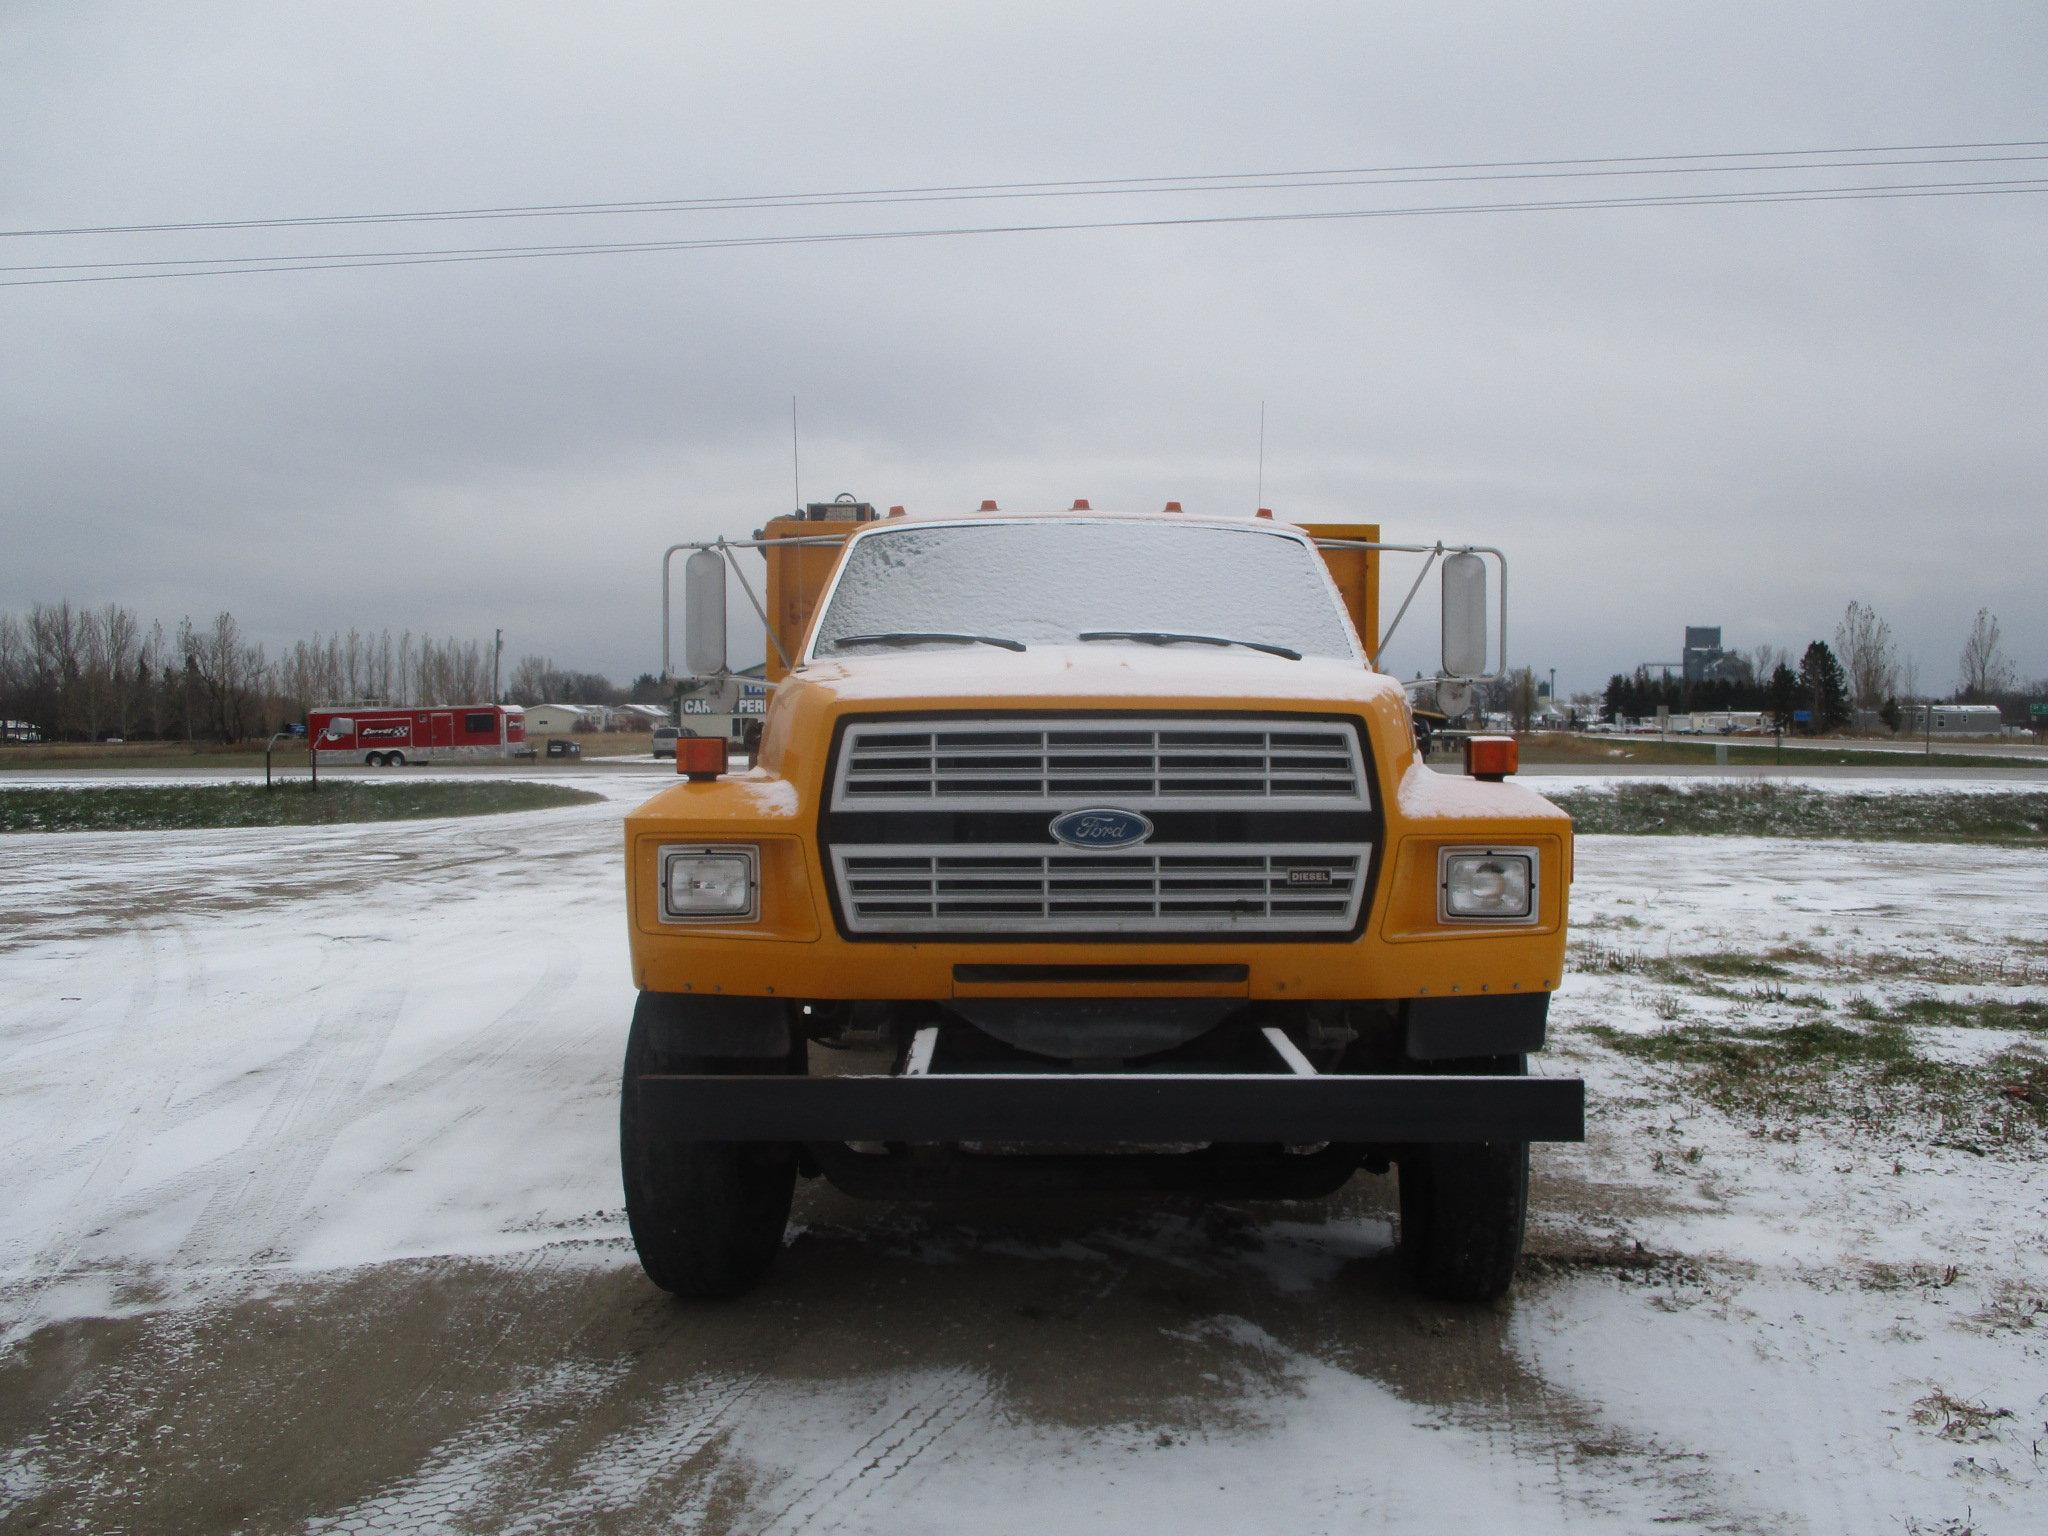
(1463, 1206)
(395, 759)
(375, 759)
(707, 1217)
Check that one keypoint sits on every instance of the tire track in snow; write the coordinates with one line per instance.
(667, 1447)
(884, 1454)
(454, 1063)
(119, 1152)
(501, 1470)
(509, 1030)
(246, 1218)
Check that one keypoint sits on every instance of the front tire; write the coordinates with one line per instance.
(707, 1218)
(1464, 1206)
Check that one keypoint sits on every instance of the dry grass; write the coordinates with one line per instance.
(1766, 808)
(131, 808)
(1872, 1078)
(1956, 1418)
(1743, 751)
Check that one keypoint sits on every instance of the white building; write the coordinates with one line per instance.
(1953, 720)
(555, 719)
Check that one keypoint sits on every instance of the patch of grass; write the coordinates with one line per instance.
(1756, 1052)
(2027, 1015)
(2013, 1308)
(122, 808)
(1871, 1076)
(1769, 809)
(1776, 964)
(1772, 964)
(1957, 1418)
(2013, 968)
(1743, 752)
(1774, 995)
(1909, 1277)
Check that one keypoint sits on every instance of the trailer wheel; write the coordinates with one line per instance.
(707, 1217)
(374, 759)
(395, 759)
(1463, 1206)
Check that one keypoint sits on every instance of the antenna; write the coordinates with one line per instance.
(1261, 501)
(796, 469)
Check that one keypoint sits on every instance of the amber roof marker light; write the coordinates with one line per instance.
(1492, 758)
(701, 758)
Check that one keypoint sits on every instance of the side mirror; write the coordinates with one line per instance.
(704, 613)
(1464, 616)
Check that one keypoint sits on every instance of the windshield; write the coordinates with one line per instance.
(1050, 583)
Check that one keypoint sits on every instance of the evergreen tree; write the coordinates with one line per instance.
(1784, 696)
(1615, 700)
(1823, 688)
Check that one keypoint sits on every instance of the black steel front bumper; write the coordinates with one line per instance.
(1049, 1109)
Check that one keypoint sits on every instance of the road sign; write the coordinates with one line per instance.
(1802, 717)
(2038, 711)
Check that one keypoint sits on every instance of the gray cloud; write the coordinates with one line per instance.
(1737, 415)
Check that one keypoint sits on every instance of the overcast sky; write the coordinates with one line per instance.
(1735, 415)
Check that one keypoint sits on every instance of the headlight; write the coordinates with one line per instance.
(703, 883)
(1487, 885)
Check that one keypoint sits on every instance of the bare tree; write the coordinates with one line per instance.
(119, 634)
(13, 668)
(529, 681)
(352, 660)
(1986, 669)
(1863, 642)
(54, 667)
(94, 685)
(231, 672)
(149, 682)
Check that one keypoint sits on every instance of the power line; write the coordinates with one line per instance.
(1421, 174)
(198, 261)
(451, 256)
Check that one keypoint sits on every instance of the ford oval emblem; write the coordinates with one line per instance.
(1101, 829)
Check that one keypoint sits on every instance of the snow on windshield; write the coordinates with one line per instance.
(1047, 583)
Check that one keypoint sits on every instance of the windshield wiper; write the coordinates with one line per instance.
(1170, 637)
(924, 637)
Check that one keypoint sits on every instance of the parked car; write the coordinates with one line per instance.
(665, 740)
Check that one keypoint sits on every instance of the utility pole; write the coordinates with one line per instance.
(497, 656)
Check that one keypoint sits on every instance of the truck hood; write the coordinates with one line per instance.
(1097, 675)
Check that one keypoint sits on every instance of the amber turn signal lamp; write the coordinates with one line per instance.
(1492, 758)
(988, 506)
(1081, 505)
(1265, 512)
(1173, 506)
(700, 757)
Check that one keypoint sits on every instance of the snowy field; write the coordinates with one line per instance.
(310, 1221)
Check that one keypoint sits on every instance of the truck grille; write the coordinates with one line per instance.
(1013, 888)
(1013, 764)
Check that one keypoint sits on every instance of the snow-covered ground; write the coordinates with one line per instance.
(319, 1125)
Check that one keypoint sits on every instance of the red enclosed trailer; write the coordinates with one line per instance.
(380, 734)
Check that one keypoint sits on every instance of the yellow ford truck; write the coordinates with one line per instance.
(1086, 851)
